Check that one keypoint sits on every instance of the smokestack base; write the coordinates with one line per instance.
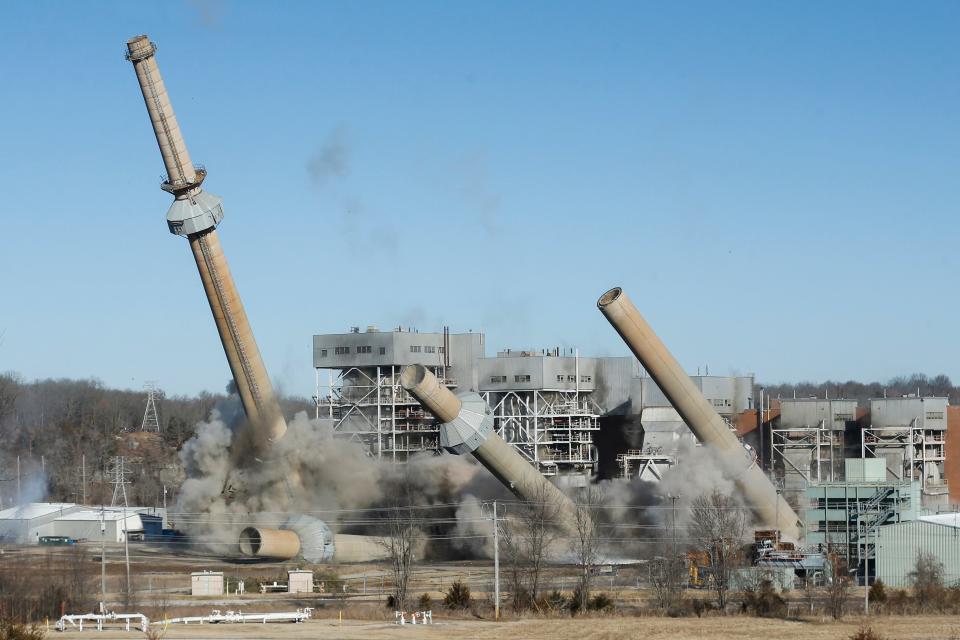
(470, 429)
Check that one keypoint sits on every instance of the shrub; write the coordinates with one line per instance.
(878, 592)
(866, 633)
(765, 602)
(10, 630)
(424, 603)
(555, 601)
(601, 602)
(391, 602)
(458, 596)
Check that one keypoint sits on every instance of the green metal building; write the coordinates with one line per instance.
(898, 545)
(844, 516)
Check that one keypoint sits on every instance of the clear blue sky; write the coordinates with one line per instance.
(776, 186)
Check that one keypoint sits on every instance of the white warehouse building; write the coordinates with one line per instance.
(28, 523)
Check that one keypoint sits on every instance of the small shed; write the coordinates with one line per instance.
(299, 581)
(206, 583)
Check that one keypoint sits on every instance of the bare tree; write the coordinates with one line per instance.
(403, 531)
(927, 579)
(838, 589)
(587, 541)
(717, 527)
(526, 542)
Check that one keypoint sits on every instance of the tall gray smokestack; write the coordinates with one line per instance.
(706, 424)
(468, 428)
(195, 215)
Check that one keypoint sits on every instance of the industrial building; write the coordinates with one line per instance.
(28, 523)
(358, 387)
(843, 517)
(550, 404)
(899, 545)
(808, 443)
(909, 433)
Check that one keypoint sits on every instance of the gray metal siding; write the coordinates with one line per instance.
(809, 412)
(930, 413)
(899, 544)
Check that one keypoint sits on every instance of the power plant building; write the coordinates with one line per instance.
(358, 387)
(807, 445)
(843, 517)
(910, 433)
(547, 403)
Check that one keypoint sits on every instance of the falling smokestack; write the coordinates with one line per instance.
(195, 215)
(706, 424)
(468, 428)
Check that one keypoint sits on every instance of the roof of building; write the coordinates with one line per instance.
(36, 510)
(945, 519)
(109, 514)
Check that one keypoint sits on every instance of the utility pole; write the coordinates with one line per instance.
(19, 495)
(103, 562)
(496, 564)
(83, 476)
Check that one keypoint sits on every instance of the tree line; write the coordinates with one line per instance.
(66, 432)
(939, 385)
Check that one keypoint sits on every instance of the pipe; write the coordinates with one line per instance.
(195, 214)
(707, 425)
(468, 428)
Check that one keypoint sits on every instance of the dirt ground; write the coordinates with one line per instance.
(612, 628)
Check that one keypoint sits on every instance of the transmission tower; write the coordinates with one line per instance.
(120, 482)
(151, 421)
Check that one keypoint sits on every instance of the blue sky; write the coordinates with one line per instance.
(775, 186)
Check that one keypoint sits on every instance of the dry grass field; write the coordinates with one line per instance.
(601, 628)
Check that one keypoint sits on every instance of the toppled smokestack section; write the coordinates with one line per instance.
(468, 428)
(707, 425)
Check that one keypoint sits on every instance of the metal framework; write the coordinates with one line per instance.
(151, 420)
(647, 464)
(368, 404)
(553, 429)
(818, 445)
(911, 453)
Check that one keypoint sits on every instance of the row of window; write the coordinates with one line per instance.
(570, 378)
(934, 415)
(345, 351)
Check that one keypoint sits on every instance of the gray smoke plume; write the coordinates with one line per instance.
(309, 472)
(332, 159)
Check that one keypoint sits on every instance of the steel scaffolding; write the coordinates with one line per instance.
(368, 404)
(911, 453)
(553, 429)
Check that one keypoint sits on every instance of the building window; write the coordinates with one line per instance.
(934, 415)
(323, 353)
(429, 349)
(496, 379)
(586, 378)
(560, 378)
(414, 349)
(571, 378)
(383, 350)
(521, 378)
(441, 349)
(341, 351)
(364, 349)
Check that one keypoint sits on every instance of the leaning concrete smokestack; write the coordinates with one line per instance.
(195, 215)
(706, 424)
(468, 428)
